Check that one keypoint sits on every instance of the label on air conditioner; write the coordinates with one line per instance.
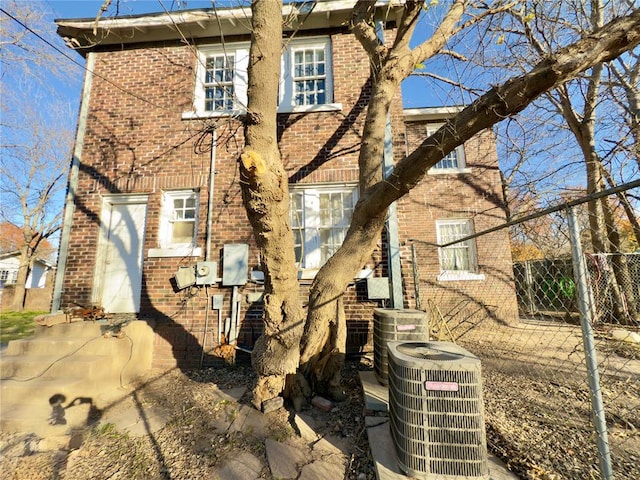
(441, 386)
(405, 328)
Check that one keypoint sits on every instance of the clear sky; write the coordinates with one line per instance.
(90, 8)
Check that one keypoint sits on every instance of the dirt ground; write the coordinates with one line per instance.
(538, 402)
(537, 406)
(191, 445)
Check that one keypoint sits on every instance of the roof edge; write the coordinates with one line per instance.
(431, 113)
(207, 23)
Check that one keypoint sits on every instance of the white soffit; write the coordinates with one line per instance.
(431, 113)
(201, 23)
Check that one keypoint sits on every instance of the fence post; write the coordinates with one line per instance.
(580, 273)
(529, 281)
(416, 279)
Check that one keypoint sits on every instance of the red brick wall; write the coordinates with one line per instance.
(478, 196)
(137, 142)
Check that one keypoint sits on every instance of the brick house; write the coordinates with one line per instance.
(154, 222)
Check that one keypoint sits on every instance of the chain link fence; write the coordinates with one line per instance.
(562, 375)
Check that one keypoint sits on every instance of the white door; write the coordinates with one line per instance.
(119, 280)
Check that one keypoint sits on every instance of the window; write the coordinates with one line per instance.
(453, 162)
(178, 225)
(320, 218)
(183, 219)
(309, 76)
(221, 80)
(305, 83)
(8, 276)
(457, 261)
(218, 83)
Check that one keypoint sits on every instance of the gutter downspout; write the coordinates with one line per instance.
(69, 207)
(207, 252)
(393, 242)
(212, 174)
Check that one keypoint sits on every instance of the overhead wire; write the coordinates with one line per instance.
(41, 38)
(203, 130)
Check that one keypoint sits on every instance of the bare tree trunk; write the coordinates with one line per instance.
(265, 190)
(626, 204)
(324, 342)
(625, 308)
(20, 289)
(604, 235)
(265, 194)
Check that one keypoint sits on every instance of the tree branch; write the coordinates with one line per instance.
(443, 33)
(363, 28)
(617, 37)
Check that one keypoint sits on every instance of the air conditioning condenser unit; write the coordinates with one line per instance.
(436, 411)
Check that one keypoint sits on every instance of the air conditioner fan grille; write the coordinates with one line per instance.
(436, 411)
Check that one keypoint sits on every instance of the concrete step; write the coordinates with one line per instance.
(25, 367)
(38, 391)
(72, 362)
(61, 346)
(75, 329)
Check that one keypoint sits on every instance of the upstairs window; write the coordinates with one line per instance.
(458, 261)
(453, 162)
(221, 80)
(320, 218)
(218, 85)
(309, 76)
(305, 81)
(8, 276)
(179, 219)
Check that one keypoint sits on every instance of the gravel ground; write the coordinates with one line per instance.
(538, 424)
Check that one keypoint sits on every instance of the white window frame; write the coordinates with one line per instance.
(311, 248)
(226, 86)
(472, 254)
(438, 169)
(167, 247)
(287, 79)
(10, 276)
(240, 53)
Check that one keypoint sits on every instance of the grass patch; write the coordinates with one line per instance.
(15, 325)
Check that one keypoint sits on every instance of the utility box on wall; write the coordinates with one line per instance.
(184, 277)
(378, 288)
(206, 273)
(235, 264)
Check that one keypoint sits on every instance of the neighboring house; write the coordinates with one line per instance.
(39, 284)
(10, 263)
(151, 200)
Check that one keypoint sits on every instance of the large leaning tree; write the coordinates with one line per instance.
(299, 351)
